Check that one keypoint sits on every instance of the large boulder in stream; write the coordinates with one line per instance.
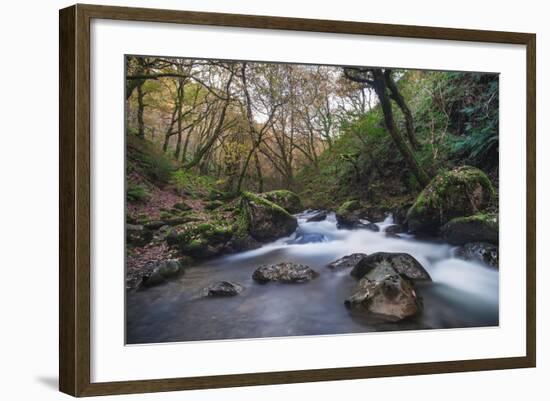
(288, 200)
(385, 295)
(386, 288)
(463, 191)
(480, 227)
(265, 220)
(318, 216)
(400, 263)
(222, 289)
(351, 215)
(480, 252)
(284, 272)
(347, 261)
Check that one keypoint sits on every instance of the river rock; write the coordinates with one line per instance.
(401, 263)
(162, 271)
(222, 289)
(347, 261)
(463, 191)
(477, 228)
(284, 272)
(265, 220)
(318, 216)
(389, 297)
(479, 251)
(395, 229)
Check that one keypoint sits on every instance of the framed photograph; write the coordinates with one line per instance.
(250, 200)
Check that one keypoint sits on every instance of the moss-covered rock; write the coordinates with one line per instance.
(202, 239)
(348, 215)
(477, 228)
(263, 219)
(349, 206)
(463, 191)
(288, 200)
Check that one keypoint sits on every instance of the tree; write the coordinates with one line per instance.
(378, 79)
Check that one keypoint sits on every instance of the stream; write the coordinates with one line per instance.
(462, 294)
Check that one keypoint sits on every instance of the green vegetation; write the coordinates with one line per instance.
(221, 154)
(459, 192)
(137, 193)
(145, 159)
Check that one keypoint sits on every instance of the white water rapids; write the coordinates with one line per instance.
(462, 294)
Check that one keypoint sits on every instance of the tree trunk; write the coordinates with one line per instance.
(259, 174)
(379, 84)
(141, 106)
(398, 98)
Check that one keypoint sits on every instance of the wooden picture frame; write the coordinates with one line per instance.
(74, 204)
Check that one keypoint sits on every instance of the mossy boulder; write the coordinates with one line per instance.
(349, 206)
(351, 215)
(288, 200)
(463, 191)
(263, 219)
(348, 215)
(480, 227)
(202, 239)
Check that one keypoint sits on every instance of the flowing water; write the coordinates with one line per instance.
(462, 294)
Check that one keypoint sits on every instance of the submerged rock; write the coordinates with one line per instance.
(463, 191)
(265, 220)
(479, 251)
(387, 296)
(347, 261)
(222, 289)
(284, 272)
(288, 200)
(477, 228)
(400, 263)
(319, 216)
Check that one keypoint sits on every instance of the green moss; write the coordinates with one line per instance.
(349, 206)
(485, 218)
(251, 197)
(288, 200)
(451, 194)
